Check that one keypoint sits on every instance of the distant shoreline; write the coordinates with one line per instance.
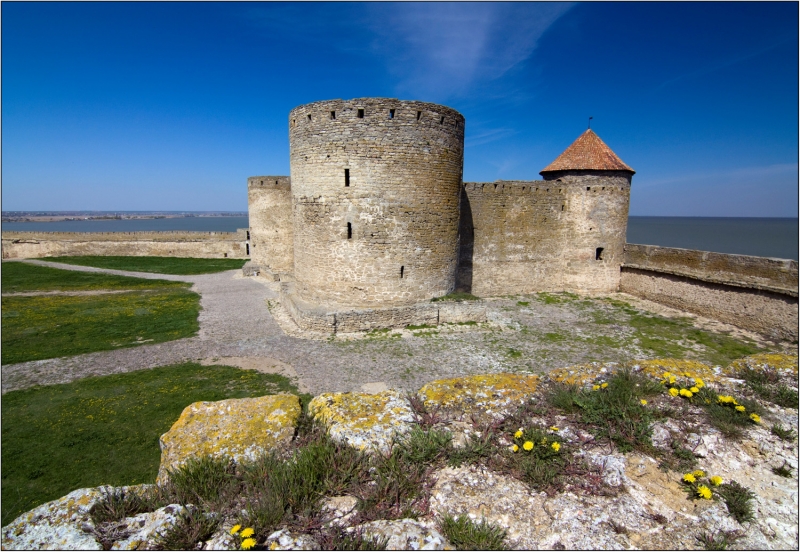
(57, 216)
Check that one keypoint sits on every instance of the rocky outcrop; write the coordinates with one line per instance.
(641, 506)
(239, 429)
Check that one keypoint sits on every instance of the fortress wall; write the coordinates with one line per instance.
(754, 293)
(375, 194)
(269, 200)
(530, 236)
(22, 245)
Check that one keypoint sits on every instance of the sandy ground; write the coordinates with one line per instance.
(238, 329)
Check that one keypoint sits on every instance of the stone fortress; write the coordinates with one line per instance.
(376, 220)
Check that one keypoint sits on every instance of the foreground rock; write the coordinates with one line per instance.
(637, 504)
(240, 429)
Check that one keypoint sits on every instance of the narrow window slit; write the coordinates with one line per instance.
(333, 115)
(349, 231)
(247, 245)
(598, 254)
(309, 117)
(441, 121)
(402, 269)
(347, 178)
(360, 113)
(391, 113)
(419, 114)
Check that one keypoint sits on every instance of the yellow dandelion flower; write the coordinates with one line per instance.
(247, 533)
(716, 480)
(704, 492)
(694, 390)
(603, 385)
(273, 545)
(247, 544)
(673, 392)
(515, 448)
(518, 434)
(699, 473)
(528, 445)
(666, 375)
(672, 379)
(686, 393)
(553, 428)
(644, 402)
(556, 446)
(595, 387)
(235, 529)
(699, 383)
(687, 375)
(689, 478)
(740, 408)
(755, 417)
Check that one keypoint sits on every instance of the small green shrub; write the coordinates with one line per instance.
(523, 303)
(203, 481)
(192, 528)
(564, 397)
(465, 534)
(425, 447)
(738, 499)
(784, 470)
(118, 504)
(720, 540)
(336, 538)
(783, 433)
(478, 447)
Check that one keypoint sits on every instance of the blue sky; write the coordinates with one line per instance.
(171, 106)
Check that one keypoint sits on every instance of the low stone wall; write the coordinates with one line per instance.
(328, 320)
(755, 293)
(33, 245)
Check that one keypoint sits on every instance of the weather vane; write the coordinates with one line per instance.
(590, 122)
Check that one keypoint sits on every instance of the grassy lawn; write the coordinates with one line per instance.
(36, 328)
(50, 326)
(105, 430)
(159, 265)
(20, 277)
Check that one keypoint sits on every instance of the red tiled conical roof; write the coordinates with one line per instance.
(588, 152)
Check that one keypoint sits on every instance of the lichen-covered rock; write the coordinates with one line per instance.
(581, 374)
(489, 395)
(145, 530)
(679, 367)
(62, 524)
(223, 540)
(362, 420)
(406, 534)
(781, 363)
(241, 429)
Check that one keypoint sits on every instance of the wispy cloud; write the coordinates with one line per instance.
(439, 50)
(488, 136)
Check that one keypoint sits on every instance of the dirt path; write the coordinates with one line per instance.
(237, 328)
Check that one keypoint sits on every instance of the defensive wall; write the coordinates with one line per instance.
(269, 200)
(754, 293)
(375, 186)
(542, 235)
(21, 245)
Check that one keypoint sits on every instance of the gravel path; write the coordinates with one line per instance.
(237, 328)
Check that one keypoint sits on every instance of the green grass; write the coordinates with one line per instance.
(465, 534)
(105, 430)
(24, 277)
(41, 327)
(159, 265)
(738, 499)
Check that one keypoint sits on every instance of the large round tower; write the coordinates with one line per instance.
(375, 198)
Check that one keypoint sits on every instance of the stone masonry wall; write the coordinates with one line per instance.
(375, 195)
(29, 245)
(531, 236)
(269, 200)
(754, 293)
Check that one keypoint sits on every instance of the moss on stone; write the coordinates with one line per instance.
(491, 393)
(762, 362)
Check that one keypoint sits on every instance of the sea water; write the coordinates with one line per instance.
(762, 237)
